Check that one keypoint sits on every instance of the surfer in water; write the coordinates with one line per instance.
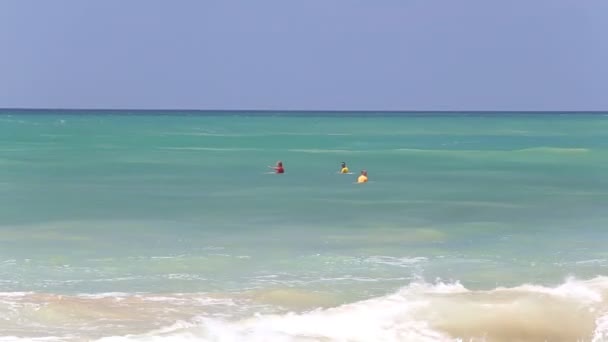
(343, 168)
(278, 168)
(362, 177)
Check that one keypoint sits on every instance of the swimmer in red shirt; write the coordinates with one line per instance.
(278, 168)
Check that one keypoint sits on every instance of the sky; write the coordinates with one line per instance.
(305, 55)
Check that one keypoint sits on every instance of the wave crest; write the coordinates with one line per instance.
(573, 311)
(576, 310)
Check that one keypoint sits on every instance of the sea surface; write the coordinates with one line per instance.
(154, 226)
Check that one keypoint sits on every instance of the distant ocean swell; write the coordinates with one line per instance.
(573, 311)
(536, 150)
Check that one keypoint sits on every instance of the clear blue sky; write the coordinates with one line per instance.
(307, 54)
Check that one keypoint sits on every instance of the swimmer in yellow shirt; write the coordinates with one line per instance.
(343, 168)
(363, 177)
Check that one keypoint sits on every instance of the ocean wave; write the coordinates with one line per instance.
(325, 151)
(250, 135)
(202, 134)
(573, 311)
(539, 150)
(214, 149)
(555, 150)
(576, 310)
(393, 261)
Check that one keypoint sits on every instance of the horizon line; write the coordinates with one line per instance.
(297, 110)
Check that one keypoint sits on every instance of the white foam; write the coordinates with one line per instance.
(589, 291)
(15, 338)
(419, 312)
(375, 320)
(600, 333)
(104, 295)
(394, 261)
(14, 294)
(387, 318)
(591, 261)
(184, 276)
(573, 310)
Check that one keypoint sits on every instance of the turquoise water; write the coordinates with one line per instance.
(175, 219)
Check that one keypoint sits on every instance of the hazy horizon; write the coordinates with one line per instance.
(186, 110)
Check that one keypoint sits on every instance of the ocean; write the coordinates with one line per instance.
(154, 226)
